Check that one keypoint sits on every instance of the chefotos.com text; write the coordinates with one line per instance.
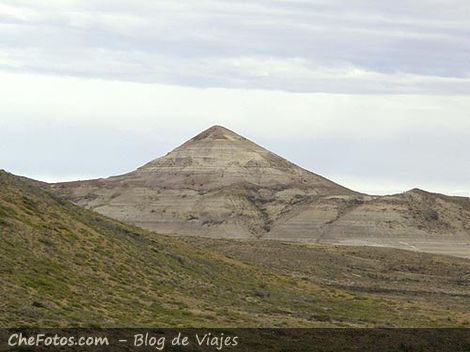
(18, 340)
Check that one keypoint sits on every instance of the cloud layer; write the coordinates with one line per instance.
(363, 47)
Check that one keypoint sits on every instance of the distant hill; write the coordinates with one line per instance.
(62, 265)
(219, 184)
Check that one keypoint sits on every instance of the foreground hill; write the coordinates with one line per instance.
(219, 184)
(62, 265)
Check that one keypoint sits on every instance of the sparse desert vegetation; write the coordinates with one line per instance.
(62, 265)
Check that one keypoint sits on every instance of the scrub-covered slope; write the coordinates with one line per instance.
(62, 265)
(437, 280)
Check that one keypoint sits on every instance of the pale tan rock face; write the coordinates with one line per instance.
(219, 184)
(219, 157)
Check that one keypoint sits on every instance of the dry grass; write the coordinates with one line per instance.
(62, 265)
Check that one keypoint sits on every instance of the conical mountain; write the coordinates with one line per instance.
(216, 184)
(219, 184)
(218, 157)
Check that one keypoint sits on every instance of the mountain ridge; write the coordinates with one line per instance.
(220, 184)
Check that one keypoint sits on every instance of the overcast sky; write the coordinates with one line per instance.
(372, 94)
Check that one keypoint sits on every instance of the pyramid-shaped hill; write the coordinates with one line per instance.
(219, 184)
(218, 157)
(216, 184)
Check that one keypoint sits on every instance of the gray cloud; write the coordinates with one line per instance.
(366, 47)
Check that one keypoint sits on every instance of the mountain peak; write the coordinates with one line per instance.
(218, 158)
(217, 132)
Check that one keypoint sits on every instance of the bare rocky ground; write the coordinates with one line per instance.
(221, 185)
